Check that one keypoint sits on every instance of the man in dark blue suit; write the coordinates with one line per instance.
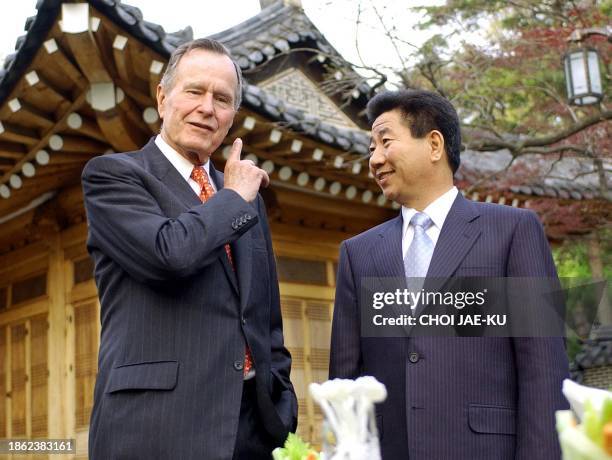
(460, 398)
(192, 363)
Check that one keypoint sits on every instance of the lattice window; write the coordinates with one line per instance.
(39, 375)
(307, 329)
(86, 368)
(297, 90)
(292, 270)
(24, 389)
(18, 380)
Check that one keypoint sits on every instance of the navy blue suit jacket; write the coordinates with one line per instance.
(460, 398)
(176, 316)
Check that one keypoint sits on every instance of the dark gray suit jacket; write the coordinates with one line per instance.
(460, 398)
(175, 315)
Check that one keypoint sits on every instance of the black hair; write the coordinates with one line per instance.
(423, 111)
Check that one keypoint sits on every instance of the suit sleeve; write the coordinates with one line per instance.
(541, 361)
(345, 354)
(126, 223)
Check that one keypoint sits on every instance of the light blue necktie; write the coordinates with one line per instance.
(416, 262)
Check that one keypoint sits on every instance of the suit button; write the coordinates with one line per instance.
(238, 365)
(234, 225)
(243, 319)
(249, 217)
(413, 357)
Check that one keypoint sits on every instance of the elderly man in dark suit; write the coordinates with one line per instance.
(192, 363)
(460, 398)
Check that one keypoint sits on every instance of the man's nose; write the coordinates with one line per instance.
(377, 159)
(205, 105)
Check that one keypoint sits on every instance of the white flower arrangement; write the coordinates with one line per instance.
(589, 437)
(348, 407)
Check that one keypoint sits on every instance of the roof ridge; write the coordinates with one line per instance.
(260, 20)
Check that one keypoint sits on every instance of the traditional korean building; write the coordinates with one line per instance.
(82, 83)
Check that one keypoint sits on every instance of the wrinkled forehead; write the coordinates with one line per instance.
(386, 121)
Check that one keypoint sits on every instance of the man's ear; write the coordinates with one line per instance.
(436, 144)
(161, 98)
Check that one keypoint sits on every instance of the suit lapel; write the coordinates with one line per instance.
(161, 168)
(387, 252)
(386, 255)
(457, 236)
(388, 261)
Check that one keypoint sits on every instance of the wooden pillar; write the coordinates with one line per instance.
(59, 398)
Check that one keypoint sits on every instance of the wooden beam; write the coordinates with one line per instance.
(42, 143)
(76, 144)
(264, 139)
(142, 99)
(57, 414)
(17, 133)
(40, 83)
(134, 115)
(57, 55)
(151, 118)
(68, 158)
(288, 147)
(118, 131)
(77, 30)
(32, 114)
(11, 151)
(121, 54)
(243, 128)
(323, 204)
(28, 371)
(69, 352)
(85, 125)
(20, 314)
(155, 74)
(33, 255)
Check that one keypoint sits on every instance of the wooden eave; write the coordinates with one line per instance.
(91, 90)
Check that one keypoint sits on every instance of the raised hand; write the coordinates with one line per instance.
(243, 176)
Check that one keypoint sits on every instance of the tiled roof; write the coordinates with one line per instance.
(126, 16)
(273, 31)
(539, 176)
(482, 163)
(273, 108)
(595, 352)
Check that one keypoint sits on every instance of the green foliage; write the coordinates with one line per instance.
(510, 80)
(571, 260)
(572, 263)
(295, 449)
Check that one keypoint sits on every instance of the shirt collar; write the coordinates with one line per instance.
(180, 163)
(437, 210)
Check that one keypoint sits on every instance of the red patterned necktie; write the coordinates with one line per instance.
(206, 191)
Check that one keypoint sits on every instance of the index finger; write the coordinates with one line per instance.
(235, 152)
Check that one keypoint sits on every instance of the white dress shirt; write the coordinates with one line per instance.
(182, 164)
(437, 211)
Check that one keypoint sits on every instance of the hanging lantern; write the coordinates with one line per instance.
(583, 77)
